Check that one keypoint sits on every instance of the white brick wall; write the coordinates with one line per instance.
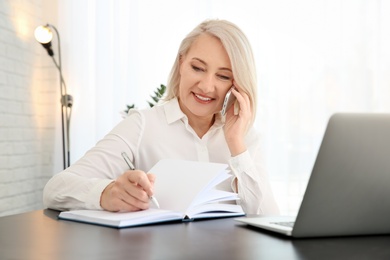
(28, 108)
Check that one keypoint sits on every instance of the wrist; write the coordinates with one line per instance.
(236, 148)
(104, 195)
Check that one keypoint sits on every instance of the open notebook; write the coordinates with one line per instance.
(185, 190)
(348, 191)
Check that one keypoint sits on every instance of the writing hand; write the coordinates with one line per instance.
(129, 192)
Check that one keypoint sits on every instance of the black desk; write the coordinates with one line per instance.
(39, 235)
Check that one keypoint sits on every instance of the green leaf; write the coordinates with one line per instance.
(128, 108)
(158, 94)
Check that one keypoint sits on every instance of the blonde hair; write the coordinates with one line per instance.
(238, 49)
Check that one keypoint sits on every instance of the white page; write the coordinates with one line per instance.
(179, 181)
(212, 210)
(215, 196)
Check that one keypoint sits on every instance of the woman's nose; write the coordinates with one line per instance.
(207, 84)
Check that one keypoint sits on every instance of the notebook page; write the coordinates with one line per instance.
(178, 181)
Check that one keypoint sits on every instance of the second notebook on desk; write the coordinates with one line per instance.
(185, 190)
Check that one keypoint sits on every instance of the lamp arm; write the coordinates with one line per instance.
(59, 64)
(68, 116)
(66, 103)
(63, 85)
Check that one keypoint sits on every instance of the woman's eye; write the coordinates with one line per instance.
(196, 68)
(223, 77)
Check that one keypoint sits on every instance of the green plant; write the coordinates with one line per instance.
(158, 93)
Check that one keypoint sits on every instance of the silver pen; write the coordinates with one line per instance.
(131, 166)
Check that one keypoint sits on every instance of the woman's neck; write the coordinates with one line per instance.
(201, 125)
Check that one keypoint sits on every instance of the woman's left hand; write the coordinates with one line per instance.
(237, 124)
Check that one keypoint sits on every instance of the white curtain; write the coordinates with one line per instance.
(314, 58)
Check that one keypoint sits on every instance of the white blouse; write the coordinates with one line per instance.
(148, 136)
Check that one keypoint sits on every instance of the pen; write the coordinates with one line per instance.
(131, 166)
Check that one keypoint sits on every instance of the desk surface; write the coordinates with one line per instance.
(40, 235)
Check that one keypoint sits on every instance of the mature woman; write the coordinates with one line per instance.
(215, 56)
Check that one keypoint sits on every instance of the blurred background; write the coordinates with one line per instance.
(314, 58)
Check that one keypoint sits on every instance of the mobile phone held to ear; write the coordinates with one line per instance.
(228, 102)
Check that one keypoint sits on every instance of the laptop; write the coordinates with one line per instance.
(348, 192)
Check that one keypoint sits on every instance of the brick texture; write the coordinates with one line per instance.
(27, 111)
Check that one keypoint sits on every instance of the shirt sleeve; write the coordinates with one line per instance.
(254, 189)
(80, 186)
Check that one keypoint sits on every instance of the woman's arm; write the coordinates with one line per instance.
(80, 186)
(250, 182)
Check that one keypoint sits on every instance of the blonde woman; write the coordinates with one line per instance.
(214, 58)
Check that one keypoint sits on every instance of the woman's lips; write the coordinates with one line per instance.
(202, 99)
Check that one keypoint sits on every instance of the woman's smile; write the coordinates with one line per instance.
(202, 99)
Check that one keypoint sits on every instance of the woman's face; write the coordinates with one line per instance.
(206, 76)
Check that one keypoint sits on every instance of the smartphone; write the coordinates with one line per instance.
(228, 102)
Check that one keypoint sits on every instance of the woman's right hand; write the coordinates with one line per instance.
(129, 192)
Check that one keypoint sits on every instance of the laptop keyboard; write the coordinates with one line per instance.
(286, 224)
